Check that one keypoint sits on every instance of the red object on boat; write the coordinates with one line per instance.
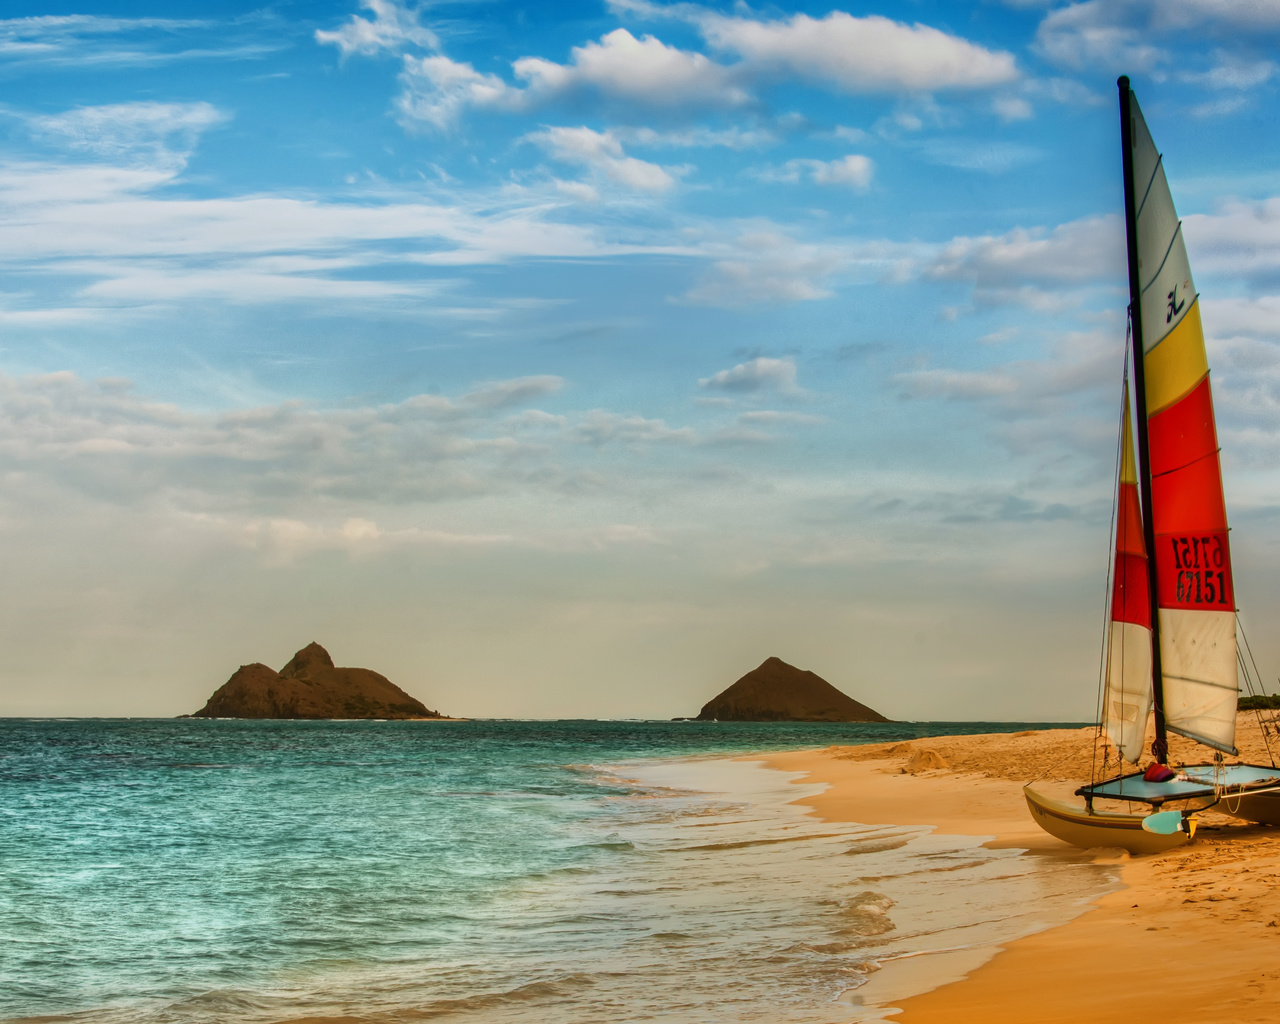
(1158, 773)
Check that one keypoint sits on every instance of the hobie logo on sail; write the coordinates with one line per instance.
(1175, 305)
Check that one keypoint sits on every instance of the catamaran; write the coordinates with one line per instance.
(1172, 638)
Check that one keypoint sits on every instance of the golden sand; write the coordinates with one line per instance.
(1193, 936)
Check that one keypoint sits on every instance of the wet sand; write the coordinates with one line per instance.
(1194, 934)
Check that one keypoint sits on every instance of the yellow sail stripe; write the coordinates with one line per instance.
(1128, 468)
(1177, 364)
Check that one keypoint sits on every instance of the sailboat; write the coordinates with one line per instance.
(1171, 638)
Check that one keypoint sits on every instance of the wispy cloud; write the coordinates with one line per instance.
(602, 153)
(86, 42)
(852, 171)
(145, 132)
(755, 375)
(392, 28)
(1138, 35)
(1024, 265)
(111, 229)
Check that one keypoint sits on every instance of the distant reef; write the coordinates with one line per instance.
(778, 692)
(310, 686)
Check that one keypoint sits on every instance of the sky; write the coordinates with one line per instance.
(569, 359)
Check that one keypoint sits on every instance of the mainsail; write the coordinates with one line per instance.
(1128, 688)
(1171, 642)
(1194, 593)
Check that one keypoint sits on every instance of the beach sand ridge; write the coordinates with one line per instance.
(1194, 934)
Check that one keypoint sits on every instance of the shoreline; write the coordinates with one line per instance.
(1192, 932)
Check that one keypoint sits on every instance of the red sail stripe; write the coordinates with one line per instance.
(1131, 593)
(1184, 432)
(1193, 559)
(1129, 523)
(1189, 500)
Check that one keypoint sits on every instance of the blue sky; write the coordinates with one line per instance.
(571, 359)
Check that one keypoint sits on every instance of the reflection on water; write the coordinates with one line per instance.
(507, 872)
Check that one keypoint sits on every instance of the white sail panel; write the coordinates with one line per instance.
(1198, 652)
(1145, 155)
(1170, 294)
(1127, 702)
(1157, 224)
(1163, 271)
(1190, 557)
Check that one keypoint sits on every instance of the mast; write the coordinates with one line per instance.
(1160, 748)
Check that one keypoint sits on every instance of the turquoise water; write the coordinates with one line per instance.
(183, 871)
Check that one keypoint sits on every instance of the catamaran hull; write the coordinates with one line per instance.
(1078, 826)
(1263, 808)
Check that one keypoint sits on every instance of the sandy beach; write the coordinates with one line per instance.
(1193, 933)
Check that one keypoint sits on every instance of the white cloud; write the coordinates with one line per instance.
(599, 428)
(1237, 315)
(985, 156)
(1221, 107)
(643, 71)
(1060, 410)
(283, 541)
(602, 152)
(846, 134)
(84, 41)
(504, 393)
(579, 191)
(860, 55)
(790, 273)
(763, 265)
(619, 68)
(103, 228)
(1126, 34)
(1012, 108)
(107, 443)
(393, 28)
(1097, 33)
(436, 90)
(760, 374)
(1233, 72)
(1079, 253)
(698, 138)
(776, 417)
(852, 171)
(146, 131)
(1067, 91)
(1043, 268)
(963, 384)
(1241, 239)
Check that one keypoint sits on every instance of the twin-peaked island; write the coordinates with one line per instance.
(311, 686)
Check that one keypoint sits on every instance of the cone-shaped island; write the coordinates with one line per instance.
(310, 686)
(778, 692)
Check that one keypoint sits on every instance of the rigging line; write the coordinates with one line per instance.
(1111, 559)
(1257, 711)
(1258, 676)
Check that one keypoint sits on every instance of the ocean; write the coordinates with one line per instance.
(183, 871)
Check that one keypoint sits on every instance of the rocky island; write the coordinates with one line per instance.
(778, 692)
(310, 686)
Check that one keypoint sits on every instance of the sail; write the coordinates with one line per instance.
(1127, 700)
(1195, 596)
